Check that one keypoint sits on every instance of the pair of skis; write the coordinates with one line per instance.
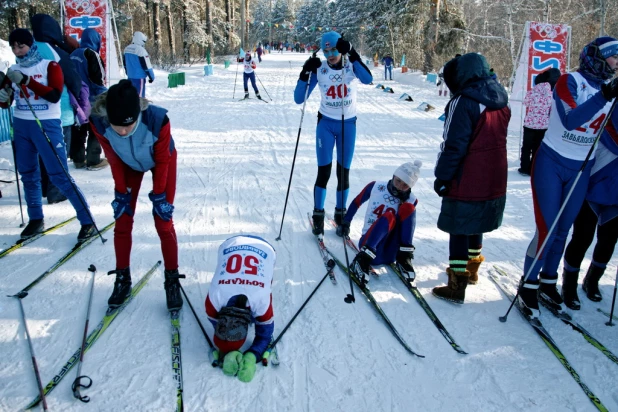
(249, 98)
(23, 242)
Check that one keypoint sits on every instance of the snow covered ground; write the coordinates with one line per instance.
(234, 160)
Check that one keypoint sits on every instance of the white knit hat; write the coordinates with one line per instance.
(409, 172)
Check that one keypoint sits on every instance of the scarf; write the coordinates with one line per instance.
(31, 58)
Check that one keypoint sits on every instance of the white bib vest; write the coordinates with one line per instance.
(381, 201)
(44, 110)
(334, 92)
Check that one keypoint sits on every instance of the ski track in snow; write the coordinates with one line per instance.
(234, 160)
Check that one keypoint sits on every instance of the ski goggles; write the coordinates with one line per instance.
(331, 52)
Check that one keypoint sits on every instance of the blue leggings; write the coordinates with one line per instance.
(328, 133)
(552, 178)
(245, 78)
(30, 143)
(390, 71)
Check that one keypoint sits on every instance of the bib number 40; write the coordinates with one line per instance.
(334, 92)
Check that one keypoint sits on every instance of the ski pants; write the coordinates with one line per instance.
(328, 134)
(140, 85)
(124, 224)
(245, 78)
(384, 237)
(552, 178)
(531, 142)
(583, 233)
(461, 248)
(30, 143)
(388, 69)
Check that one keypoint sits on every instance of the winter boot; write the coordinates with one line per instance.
(246, 95)
(318, 222)
(569, 289)
(172, 289)
(85, 232)
(591, 283)
(529, 298)
(34, 226)
(473, 267)
(455, 290)
(258, 96)
(548, 292)
(339, 214)
(361, 265)
(101, 165)
(122, 287)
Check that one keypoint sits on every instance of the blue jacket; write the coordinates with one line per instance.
(88, 62)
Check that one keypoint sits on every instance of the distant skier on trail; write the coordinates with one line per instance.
(388, 66)
(337, 86)
(136, 138)
(137, 63)
(240, 294)
(582, 100)
(249, 74)
(390, 221)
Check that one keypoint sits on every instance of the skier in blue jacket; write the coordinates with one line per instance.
(137, 63)
(337, 85)
(388, 66)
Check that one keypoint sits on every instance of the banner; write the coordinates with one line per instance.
(547, 48)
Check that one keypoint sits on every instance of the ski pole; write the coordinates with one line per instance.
(11, 132)
(562, 207)
(235, 78)
(262, 84)
(302, 115)
(77, 382)
(51, 145)
(19, 297)
(611, 313)
(214, 354)
(331, 265)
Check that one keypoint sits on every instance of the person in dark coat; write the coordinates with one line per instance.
(471, 170)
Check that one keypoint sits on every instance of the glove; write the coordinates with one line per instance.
(246, 372)
(17, 77)
(160, 206)
(441, 187)
(150, 80)
(312, 65)
(439, 82)
(231, 363)
(343, 229)
(610, 90)
(405, 255)
(5, 95)
(343, 46)
(122, 204)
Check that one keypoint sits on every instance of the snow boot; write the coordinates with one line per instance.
(455, 290)
(569, 289)
(122, 287)
(361, 265)
(34, 227)
(548, 291)
(590, 285)
(85, 232)
(473, 267)
(529, 298)
(339, 214)
(172, 289)
(318, 222)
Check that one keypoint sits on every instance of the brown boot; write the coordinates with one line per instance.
(455, 290)
(473, 268)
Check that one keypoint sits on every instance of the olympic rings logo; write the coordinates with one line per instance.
(335, 77)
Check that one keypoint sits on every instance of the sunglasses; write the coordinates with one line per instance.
(331, 52)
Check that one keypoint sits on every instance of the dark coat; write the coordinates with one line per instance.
(473, 154)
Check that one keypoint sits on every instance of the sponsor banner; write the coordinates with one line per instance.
(84, 14)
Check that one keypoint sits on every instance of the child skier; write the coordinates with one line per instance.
(249, 74)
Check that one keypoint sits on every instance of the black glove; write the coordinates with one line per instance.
(439, 82)
(610, 90)
(343, 229)
(343, 46)
(311, 66)
(441, 187)
(405, 255)
(354, 57)
(150, 80)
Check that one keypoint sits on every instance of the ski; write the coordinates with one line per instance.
(78, 247)
(177, 358)
(551, 344)
(251, 98)
(566, 318)
(606, 313)
(328, 262)
(109, 317)
(23, 242)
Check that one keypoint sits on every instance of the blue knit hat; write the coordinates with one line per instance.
(329, 40)
(608, 46)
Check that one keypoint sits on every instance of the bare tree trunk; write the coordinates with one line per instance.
(147, 18)
(602, 29)
(242, 23)
(170, 30)
(546, 10)
(509, 14)
(186, 53)
(156, 24)
(229, 9)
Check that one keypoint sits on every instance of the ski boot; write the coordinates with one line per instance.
(361, 265)
(34, 227)
(85, 232)
(318, 222)
(172, 289)
(528, 298)
(455, 290)
(246, 95)
(122, 287)
(404, 260)
(569, 289)
(590, 285)
(548, 292)
(339, 214)
(257, 95)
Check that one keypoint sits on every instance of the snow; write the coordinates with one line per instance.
(234, 160)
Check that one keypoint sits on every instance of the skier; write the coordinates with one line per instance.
(600, 212)
(538, 102)
(387, 61)
(92, 72)
(136, 137)
(240, 294)
(259, 51)
(581, 101)
(473, 200)
(249, 74)
(137, 63)
(337, 85)
(390, 221)
(41, 82)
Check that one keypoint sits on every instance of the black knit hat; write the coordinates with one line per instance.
(21, 36)
(122, 104)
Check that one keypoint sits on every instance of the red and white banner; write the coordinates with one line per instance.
(547, 48)
(84, 14)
